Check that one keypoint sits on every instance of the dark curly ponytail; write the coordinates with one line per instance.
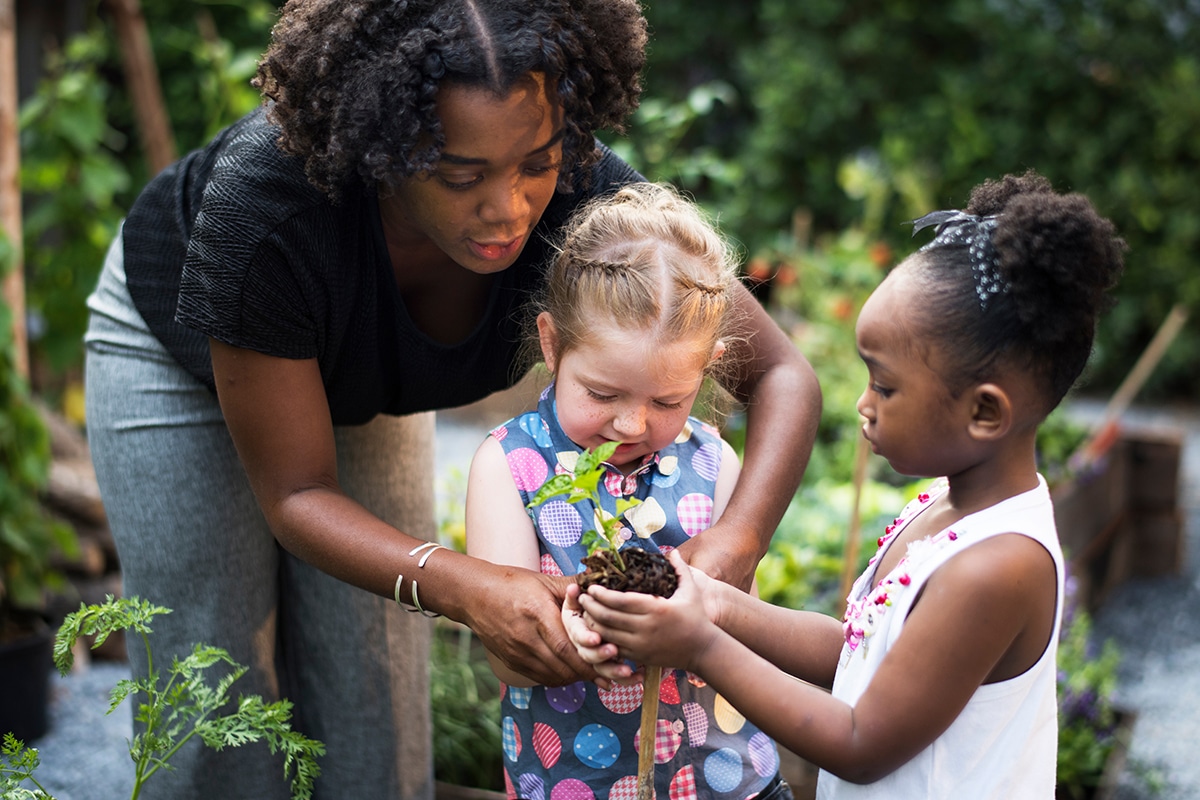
(1057, 259)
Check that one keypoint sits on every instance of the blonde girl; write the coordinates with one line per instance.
(638, 310)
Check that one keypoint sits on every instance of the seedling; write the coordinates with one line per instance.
(631, 570)
(186, 706)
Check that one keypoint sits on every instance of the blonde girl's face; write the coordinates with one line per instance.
(618, 386)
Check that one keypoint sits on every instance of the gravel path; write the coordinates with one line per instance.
(1155, 622)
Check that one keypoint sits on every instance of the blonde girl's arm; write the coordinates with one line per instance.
(727, 478)
(498, 528)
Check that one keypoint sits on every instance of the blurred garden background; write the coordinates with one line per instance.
(813, 130)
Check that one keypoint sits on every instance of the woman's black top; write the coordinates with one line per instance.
(232, 242)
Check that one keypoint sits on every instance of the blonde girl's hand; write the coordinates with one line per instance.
(591, 648)
(669, 632)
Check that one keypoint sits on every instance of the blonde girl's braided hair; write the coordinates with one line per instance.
(643, 259)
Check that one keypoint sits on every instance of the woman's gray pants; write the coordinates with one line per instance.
(191, 537)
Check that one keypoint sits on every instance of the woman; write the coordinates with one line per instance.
(282, 307)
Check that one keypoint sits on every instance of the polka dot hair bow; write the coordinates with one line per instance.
(961, 228)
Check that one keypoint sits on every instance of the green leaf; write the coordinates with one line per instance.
(590, 460)
(584, 485)
(624, 504)
(559, 484)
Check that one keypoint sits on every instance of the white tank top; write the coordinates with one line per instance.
(1004, 744)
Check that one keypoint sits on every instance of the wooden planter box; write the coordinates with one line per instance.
(1121, 518)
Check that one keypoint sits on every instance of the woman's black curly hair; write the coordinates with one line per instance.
(1059, 258)
(354, 81)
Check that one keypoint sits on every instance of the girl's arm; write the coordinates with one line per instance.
(727, 478)
(783, 406)
(498, 529)
(278, 416)
(804, 644)
(975, 611)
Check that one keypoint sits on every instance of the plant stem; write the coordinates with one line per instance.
(645, 790)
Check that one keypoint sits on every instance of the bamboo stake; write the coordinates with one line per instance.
(1106, 431)
(850, 554)
(10, 185)
(646, 733)
(141, 74)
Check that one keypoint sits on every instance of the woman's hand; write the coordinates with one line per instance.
(600, 654)
(669, 632)
(721, 554)
(519, 621)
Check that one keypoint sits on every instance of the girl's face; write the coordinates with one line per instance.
(910, 417)
(497, 172)
(619, 386)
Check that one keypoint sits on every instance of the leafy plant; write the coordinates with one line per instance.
(465, 695)
(1087, 719)
(81, 163)
(184, 707)
(639, 571)
(1102, 97)
(583, 484)
(74, 181)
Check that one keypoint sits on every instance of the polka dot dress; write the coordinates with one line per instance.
(579, 742)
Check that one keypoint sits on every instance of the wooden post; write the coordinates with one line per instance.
(862, 455)
(141, 75)
(10, 183)
(1107, 431)
(648, 732)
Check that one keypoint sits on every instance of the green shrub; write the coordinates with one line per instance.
(465, 694)
(30, 538)
(1101, 97)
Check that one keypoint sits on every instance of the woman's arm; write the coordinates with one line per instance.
(498, 529)
(783, 406)
(279, 419)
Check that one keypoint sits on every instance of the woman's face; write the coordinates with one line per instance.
(498, 170)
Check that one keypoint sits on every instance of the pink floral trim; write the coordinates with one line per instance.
(863, 615)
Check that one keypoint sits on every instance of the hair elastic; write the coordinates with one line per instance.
(959, 227)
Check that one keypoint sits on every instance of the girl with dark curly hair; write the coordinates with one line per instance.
(284, 307)
(942, 670)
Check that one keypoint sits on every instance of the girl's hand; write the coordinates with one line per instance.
(669, 632)
(589, 645)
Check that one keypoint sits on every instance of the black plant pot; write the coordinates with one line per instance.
(25, 685)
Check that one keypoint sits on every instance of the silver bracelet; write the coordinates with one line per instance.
(430, 548)
(415, 606)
